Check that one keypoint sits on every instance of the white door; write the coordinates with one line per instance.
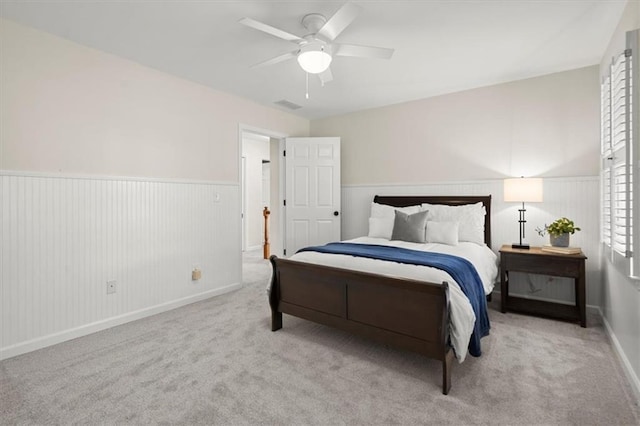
(312, 202)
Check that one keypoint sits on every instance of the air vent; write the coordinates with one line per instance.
(286, 104)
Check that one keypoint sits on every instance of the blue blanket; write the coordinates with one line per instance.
(460, 269)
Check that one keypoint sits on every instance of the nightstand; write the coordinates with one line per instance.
(536, 261)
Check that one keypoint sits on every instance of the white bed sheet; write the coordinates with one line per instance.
(461, 312)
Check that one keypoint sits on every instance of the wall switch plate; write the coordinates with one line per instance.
(111, 287)
(196, 274)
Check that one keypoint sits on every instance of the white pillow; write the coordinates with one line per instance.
(470, 218)
(442, 232)
(383, 210)
(384, 216)
(380, 227)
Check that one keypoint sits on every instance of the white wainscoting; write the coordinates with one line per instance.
(64, 237)
(574, 197)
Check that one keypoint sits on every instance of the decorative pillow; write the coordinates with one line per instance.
(410, 227)
(442, 232)
(470, 218)
(382, 218)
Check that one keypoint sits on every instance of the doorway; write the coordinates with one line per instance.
(262, 185)
(255, 197)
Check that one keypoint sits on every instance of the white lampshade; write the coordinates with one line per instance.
(314, 58)
(523, 190)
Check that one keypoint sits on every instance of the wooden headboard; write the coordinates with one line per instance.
(453, 200)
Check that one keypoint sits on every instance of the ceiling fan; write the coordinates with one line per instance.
(316, 49)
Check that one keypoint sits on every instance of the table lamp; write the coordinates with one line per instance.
(522, 190)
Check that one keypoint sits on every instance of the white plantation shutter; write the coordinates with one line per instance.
(621, 211)
(633, 42)
(616, 202)
(620, 147)
(605, 137)
(617, 150)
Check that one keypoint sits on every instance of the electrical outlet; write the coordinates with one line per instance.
(111, 287)
(196, 274)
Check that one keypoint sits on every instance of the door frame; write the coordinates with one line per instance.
(245, 128)
(243, 200)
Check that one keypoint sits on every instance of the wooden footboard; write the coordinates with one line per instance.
(405, 313)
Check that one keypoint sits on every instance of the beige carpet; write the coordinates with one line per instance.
(217, 362)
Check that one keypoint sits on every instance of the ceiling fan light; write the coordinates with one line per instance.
(314, 61)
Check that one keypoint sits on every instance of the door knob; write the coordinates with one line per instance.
(336, 213)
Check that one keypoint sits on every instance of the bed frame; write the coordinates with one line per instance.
(404, 313)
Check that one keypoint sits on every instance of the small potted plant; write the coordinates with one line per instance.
(559, 231)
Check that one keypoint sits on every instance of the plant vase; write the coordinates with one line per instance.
(561, 240)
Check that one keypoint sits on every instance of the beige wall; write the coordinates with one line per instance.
(544, 126)
(71, 109)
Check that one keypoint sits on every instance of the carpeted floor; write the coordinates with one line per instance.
(217, 362)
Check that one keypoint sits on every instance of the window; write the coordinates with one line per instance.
(617, 156)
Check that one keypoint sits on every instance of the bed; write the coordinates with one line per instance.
(394, 309)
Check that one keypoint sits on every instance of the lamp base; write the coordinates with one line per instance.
(520, 246)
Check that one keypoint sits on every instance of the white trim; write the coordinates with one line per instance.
(243, 197)
(113, 178)
(84, 330)
(465, 182)
(283, 194)
(634, 381)
(260, 131)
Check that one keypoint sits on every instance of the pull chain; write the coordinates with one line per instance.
(307, 86)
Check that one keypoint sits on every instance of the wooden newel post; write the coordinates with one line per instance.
(265, 248)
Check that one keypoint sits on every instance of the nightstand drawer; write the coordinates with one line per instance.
(564, 267)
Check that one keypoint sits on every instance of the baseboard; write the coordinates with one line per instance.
(626, 365)
(84, 330)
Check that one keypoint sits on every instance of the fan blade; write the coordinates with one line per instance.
(325, 76)
(277, 59)
(339, 21)
(252, 23)
(362, 51)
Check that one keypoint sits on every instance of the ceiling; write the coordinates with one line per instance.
(441, 46)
